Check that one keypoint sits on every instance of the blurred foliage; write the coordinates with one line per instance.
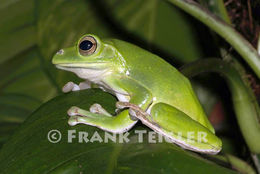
(31, 31)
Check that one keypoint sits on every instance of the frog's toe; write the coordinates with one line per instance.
(73, 120)
(98, 109)
(95, 108)
(70, 86)
(132, 114)
(73, 111)
(84, 85)
(76, 111)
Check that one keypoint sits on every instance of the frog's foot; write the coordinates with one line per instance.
(78, 115)
(136, 113)
(115, 124)
(98, 109)
(70, 86)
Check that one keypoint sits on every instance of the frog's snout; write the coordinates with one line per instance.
(57, 58)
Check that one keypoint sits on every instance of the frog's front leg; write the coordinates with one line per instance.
(122, 122)
(116, 124)
(71, 86)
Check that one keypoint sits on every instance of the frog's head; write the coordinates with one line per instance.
(90, 58)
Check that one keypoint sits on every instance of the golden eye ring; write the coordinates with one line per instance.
(87, 45)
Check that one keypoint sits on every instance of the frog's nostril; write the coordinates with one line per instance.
(60, 52)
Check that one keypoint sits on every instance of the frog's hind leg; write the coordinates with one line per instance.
(181, 129)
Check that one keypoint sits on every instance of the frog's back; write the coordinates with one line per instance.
(164, 81)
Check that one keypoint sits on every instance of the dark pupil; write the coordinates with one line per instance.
(85, 45)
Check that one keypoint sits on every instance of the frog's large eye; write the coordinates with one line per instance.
(87, 45)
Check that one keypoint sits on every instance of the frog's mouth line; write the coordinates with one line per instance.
(94, 66)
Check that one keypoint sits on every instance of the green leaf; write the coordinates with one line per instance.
(22, 84)
(16, 107)
(6, 130)
(17, 29)
(29, 151)
(160, 25)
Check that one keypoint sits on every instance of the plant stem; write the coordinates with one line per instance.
(244, 102)
(256, 162)
(216, 7)
(258, 45)
(242, 46)
(240, 165)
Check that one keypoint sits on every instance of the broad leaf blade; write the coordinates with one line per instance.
(161, 26)
(17, 29)
(29, 151)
